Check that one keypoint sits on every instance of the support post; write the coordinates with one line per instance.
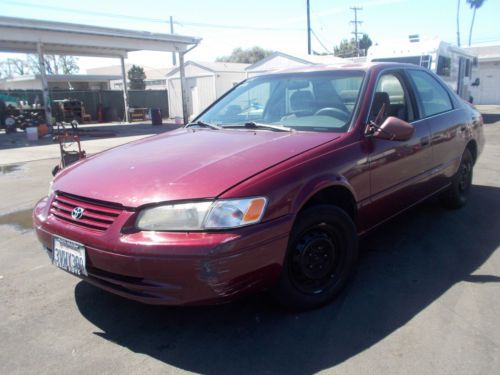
(308, 29)
(182, 74)
(125, 90)
(174, 61)
(45, 86)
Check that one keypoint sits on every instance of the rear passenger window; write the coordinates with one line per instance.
(432, 97)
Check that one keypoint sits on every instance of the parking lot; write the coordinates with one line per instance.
(424, 299)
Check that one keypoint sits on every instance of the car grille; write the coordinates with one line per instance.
(97, 215)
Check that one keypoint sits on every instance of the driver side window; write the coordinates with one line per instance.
(390, 99)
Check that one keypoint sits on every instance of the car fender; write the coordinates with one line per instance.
(317, 184)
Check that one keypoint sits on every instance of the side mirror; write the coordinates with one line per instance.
(392, 129)
(476, 82)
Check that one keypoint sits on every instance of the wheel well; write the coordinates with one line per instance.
(335, 195)
(472, 146)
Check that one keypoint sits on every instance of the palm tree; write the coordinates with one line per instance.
(458, 23)
(474, 4)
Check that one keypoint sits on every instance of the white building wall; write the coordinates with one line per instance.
(202, 94)
(488, 91)
(226, 81)
(174, 97)
(28, 84)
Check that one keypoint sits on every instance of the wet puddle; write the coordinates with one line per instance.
(10, 168)
(21, 220)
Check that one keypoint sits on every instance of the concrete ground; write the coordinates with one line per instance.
(424, 300)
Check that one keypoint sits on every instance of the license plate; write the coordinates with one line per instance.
(69, 255)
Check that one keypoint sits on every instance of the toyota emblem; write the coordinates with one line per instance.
(77, 213)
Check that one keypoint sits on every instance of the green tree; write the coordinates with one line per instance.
(364, 43)
(136, 76)
(247, 56)
(347, 48)
(475, 5)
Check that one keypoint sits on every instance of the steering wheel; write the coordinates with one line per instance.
(333, 112)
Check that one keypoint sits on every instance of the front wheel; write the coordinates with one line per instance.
(321, 255)
(456, 195)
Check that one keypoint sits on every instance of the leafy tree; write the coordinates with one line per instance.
(247, 56)
(475, 5)
(136, 76)
(347, 48)
(54, 64)
(364, 43)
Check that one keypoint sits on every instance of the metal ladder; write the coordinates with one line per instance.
(425, 61)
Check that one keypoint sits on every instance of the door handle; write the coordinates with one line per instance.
(424, 141)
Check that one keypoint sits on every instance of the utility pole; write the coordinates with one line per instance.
(308, 29)
(356, 23)
(174, 61)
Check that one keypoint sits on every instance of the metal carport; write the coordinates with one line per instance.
(36, 36)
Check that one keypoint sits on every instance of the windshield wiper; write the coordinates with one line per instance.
(203, 124)
(258, 125)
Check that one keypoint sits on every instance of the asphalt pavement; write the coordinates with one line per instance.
(424, 300)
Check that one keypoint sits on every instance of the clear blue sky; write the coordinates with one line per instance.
(272, 24)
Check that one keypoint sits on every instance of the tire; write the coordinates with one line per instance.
(322, 251)
(456, 195)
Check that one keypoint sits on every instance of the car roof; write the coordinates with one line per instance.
(341, 67)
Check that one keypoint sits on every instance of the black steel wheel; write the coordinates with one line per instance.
(456, 195)
(321, 254)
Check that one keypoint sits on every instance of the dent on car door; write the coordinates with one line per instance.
(447, 125)
(396, 167)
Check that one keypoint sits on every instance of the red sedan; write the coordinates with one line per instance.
(269, 188)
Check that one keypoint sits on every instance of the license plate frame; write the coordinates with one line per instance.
(69, 255)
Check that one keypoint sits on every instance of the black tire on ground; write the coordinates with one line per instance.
(456, 195)
(322, 252)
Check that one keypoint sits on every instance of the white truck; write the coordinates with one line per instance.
(454, 65)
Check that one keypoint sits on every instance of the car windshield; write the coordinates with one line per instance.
(312, 101)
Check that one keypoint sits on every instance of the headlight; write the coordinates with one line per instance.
(51, 190)
(228, 213)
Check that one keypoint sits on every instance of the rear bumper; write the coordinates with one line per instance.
(176, 268)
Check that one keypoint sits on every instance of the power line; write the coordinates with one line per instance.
(356, 23)
(88, 12)
(320, 42)
(148, 19)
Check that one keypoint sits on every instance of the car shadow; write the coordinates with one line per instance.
(404, 266)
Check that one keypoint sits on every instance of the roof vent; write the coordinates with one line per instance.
(414, 38)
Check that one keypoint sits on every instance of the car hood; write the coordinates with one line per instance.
(182, 164)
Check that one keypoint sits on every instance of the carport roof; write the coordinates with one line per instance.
(22, 35)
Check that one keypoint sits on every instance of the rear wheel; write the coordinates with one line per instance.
(321, 254)
(456, 195)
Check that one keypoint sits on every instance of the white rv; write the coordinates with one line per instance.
(454, 65)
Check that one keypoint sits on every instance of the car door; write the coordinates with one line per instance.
(397, 168)
(447, 125)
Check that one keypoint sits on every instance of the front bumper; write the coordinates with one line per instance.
(173, 268)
